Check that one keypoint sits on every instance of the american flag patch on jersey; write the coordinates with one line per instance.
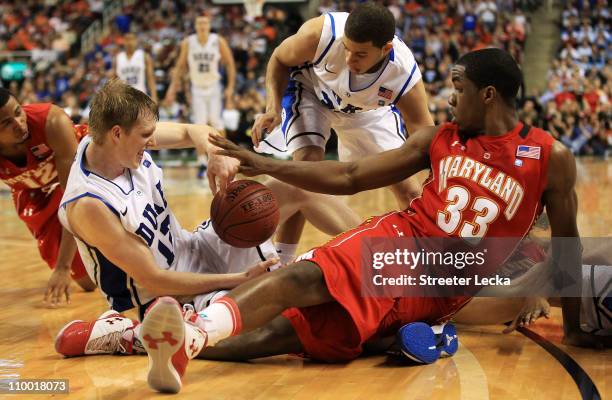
(40, 151)
(384, 92)
(528, 152)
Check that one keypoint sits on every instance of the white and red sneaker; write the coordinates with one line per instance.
(110, 333)
(170, 343)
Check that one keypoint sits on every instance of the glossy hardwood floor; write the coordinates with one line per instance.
(488, 364)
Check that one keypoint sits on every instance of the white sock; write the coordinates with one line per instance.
(202, 160)
(195, 340)
(286, 252)
(220, 320)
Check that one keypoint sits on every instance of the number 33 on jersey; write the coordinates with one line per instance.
(484, 186)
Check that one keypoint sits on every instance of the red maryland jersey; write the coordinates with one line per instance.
(484, 186)
(39, 171)
(34, 185)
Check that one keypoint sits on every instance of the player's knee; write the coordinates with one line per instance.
(303, 284)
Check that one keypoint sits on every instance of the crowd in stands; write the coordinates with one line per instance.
(575, 108)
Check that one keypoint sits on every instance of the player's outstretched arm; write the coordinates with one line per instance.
(561, 206)
(296, 50)
(335, 177)
(61, 138)
(172, 135)
(95, 224)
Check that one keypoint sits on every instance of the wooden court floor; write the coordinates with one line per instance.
(487, 365)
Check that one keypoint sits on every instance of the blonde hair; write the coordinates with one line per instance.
(118, 103)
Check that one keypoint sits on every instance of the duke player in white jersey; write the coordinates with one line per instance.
(135, 67)
(201, 55)
(350, 73)
(131, 244)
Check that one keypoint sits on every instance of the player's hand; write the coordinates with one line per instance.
(260, 268)
(264, 123)
(251, 164)
(534, 308)
(221, 171)
(58, 287)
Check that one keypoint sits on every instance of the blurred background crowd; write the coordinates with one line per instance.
(50, 56)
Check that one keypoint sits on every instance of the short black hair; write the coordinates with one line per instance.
(370, 22)
(494, 67)
(5, 95)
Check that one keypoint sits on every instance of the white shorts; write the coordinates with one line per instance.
(208, 254)
(206, 105)
(596, 309)
(306, 122)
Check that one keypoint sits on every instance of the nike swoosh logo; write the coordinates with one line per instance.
(124, 212)
(331, 72)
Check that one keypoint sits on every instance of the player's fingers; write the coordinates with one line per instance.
(212, 182)
(47, 294)
(255, 136)
(248, 171)
(512, 325)
(268, 263)
(227, 153)
(223, 179)
(220, 141)
(67, 293)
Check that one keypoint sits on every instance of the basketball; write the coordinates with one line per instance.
(246, 215)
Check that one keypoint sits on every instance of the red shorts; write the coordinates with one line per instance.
(336, 332)
(38, 210)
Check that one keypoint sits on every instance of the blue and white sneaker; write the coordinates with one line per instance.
(447, 339)
(424, 344)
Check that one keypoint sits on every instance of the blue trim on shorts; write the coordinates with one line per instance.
(290, 103)
(113, 283)
(399, 125)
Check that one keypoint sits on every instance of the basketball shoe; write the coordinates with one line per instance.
(170, 342)
(111, 333)
(425, 344)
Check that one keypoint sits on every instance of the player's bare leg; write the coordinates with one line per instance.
(274, 338)
(257, 302)
(289, 232)
(329, 214)
(85, 283)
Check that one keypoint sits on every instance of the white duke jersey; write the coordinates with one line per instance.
(138, 201)
(132, 70)
(204, 60)
(330, 78)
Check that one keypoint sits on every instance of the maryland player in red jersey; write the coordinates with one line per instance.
(491, 176)
(37, 146)
(477, 189)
